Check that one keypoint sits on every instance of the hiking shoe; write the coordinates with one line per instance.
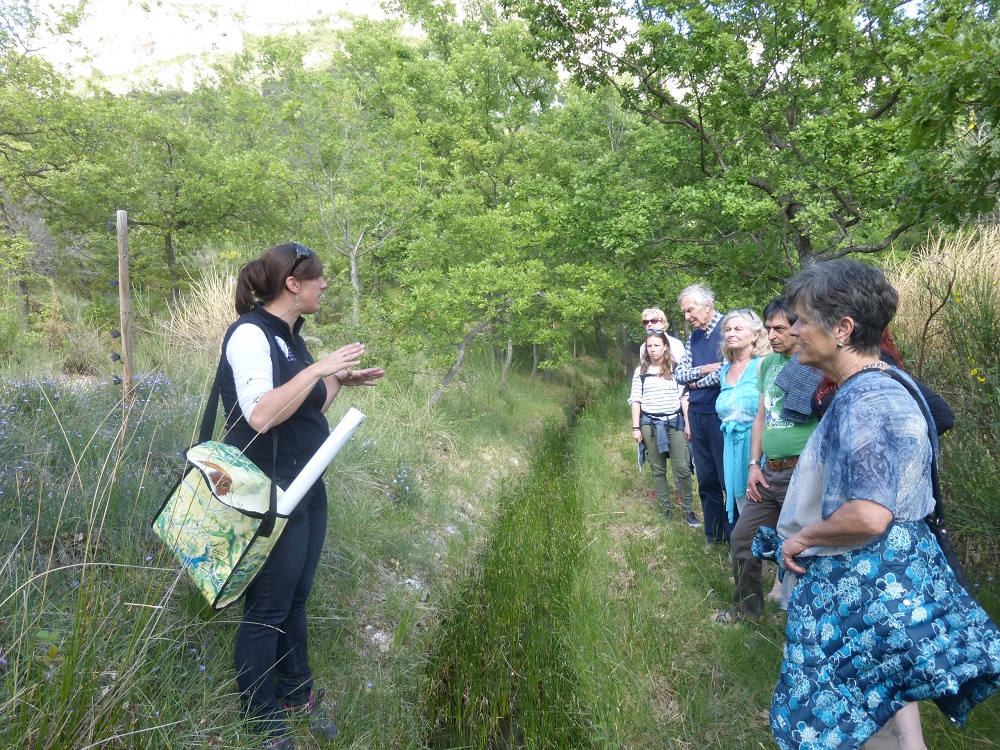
(319, 723)
(726, 617)
(692, 520)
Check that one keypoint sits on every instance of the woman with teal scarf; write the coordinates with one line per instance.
(743, 344)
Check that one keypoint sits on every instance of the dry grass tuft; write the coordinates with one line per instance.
(200, 318)
(948, 268)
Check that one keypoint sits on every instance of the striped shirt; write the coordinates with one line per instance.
(657, 395)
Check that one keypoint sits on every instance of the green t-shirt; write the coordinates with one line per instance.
(782, 439)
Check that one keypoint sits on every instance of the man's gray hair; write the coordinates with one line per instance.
(701, 295)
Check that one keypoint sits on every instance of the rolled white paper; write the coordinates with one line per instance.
(289, 499)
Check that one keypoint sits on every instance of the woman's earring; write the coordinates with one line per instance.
(840, 344)
(296, 299)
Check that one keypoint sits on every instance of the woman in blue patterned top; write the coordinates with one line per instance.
(877, 620)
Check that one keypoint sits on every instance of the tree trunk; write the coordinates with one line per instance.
(459, 356)
(355, 288)
(627, 350)
(536, 359)
(22, 292)
(171, 257)
(508, 360)
(602, 345)
(547, 376)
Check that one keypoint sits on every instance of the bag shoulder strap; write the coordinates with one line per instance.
(208, 428)
(938, 514)
(936, 519)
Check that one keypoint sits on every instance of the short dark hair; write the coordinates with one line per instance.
(837, 289)
(779, 306)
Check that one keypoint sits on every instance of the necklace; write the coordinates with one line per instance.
(873, 366)
(870, 366)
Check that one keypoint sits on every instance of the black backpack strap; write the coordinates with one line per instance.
(936, 519)
(208, 429)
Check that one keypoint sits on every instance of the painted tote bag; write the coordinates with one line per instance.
(221, 521)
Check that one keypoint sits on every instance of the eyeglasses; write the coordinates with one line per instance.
(654, 331)
(653, 320)
(301, 253)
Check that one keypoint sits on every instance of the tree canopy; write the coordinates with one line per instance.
(787, 116)
(465, 190)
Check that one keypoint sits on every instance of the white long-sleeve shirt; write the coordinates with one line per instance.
(249, 355)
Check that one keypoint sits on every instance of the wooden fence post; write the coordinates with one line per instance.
(125, 304)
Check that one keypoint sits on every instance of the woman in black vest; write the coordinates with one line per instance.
(287, 394)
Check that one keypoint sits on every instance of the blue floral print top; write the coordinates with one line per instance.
(871, 444)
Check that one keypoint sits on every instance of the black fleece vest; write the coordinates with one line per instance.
(301, 435)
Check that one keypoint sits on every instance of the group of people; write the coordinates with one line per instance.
(695, 403)
(814, 449)
(876, 617)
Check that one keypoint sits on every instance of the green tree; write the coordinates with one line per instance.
(953, 100)
(787, 113)
(32, 95)
(347, 131)
(190, 168)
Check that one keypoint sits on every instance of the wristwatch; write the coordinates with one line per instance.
(754, 462)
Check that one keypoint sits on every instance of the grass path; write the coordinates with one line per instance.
(587, 624)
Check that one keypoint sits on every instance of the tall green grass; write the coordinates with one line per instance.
(500, 670)
(102, 644)
(949, 323)
(83, 591)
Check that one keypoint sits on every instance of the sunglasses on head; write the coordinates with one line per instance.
(301, 253)
(747, 313)
(652, 320)
(654, 331)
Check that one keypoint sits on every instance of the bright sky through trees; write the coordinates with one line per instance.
(118, 37)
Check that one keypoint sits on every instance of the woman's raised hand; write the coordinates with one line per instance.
(369, 376)
(342, 359)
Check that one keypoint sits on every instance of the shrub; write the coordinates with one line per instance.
(85, 353)
(949, 322)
